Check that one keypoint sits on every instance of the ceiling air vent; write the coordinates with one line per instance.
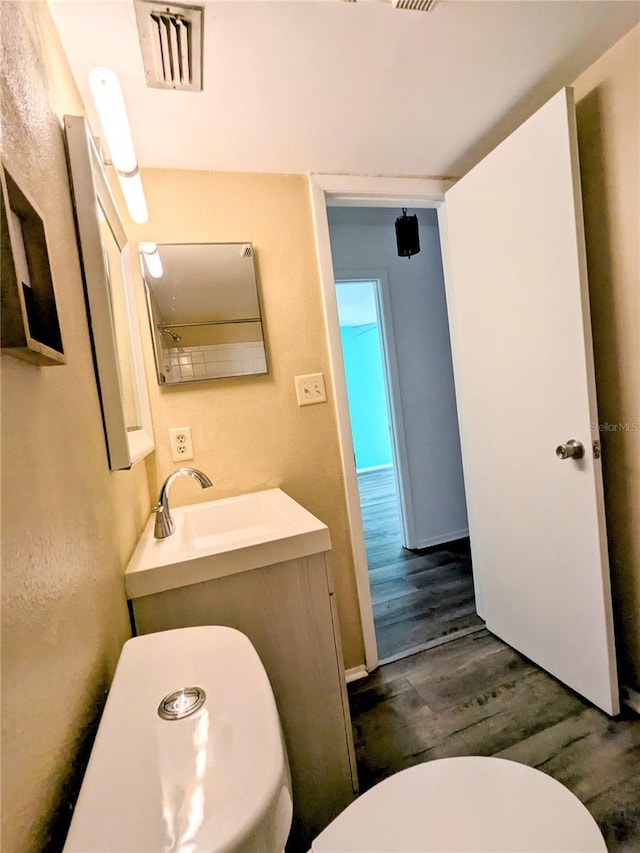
(171, 43)
(414, 5)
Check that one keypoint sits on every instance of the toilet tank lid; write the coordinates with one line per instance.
(199, 783)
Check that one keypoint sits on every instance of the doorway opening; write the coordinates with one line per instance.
(513, 274)
(399, 386)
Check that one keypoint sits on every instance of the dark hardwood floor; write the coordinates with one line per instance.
(477, 696)
(418, 596)
(474, 695)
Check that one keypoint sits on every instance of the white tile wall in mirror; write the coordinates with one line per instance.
(204, 310)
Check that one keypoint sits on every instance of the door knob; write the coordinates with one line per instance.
(571, 450)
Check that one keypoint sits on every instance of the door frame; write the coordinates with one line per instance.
(358, 191)
(391, 381)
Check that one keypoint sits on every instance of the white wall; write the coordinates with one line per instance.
(363, 240)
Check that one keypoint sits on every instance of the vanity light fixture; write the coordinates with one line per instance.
(151, 255)
(134, 196)
(407, 235)
(107, 94)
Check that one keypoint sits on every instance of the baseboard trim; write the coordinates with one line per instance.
(441, 539)
(356, 672)
(630, 698)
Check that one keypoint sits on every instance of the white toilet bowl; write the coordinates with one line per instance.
(467, 805)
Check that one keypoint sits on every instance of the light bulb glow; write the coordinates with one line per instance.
(133, 193)
(107, 94)
(152, 260)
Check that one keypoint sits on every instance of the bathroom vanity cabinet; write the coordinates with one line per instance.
(287, 609)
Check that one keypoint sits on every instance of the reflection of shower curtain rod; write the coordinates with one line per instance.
(162, 326)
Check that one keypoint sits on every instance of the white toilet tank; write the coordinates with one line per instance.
(215, 779)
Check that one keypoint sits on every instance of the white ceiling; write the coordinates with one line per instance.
(346, 87)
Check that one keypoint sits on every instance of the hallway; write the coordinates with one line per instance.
(418, 596)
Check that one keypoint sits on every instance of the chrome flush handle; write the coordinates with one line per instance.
(572, 449)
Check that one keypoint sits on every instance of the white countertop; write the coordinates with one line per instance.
(224, 537)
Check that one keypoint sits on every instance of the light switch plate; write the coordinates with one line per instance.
(310, 389)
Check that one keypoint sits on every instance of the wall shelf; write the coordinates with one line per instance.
(30, 325)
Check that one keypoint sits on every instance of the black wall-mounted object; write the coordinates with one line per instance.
(407, 235)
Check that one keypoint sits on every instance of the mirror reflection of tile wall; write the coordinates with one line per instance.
(213, 362)
(204, 311)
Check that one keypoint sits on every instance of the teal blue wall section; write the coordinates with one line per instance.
(365, 389)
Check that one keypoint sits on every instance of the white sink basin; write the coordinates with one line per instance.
(224, 537)
(229, 523)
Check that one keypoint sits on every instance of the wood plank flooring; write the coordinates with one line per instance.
(418, 596)
(477, 696)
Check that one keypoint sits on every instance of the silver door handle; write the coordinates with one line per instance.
(572, 449)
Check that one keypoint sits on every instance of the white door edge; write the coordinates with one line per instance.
(357, 190)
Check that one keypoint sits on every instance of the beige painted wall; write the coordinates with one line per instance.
(249, 433)
(68, 524)
(608, 111)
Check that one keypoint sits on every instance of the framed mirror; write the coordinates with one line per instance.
(106, 266)
(204, 310)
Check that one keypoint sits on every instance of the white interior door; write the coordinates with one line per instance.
(521, 338)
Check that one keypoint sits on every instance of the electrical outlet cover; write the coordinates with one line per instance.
(180, 442)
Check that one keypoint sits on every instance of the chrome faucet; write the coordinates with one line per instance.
(165, 525)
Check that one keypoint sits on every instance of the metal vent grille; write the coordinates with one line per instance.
(171, 44)
(414, 5)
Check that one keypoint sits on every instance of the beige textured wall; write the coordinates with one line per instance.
(608, 111)
(249, 433)
(68, 524)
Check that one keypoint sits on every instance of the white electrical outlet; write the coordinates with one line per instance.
(310, 389)
(181, 446)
